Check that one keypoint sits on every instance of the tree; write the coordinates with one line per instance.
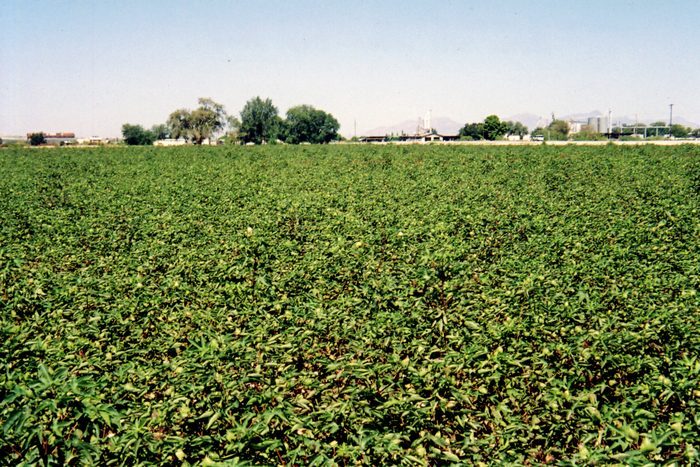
(305, 124)
(559, 126)
(180, 124)
(539, 131)
(207, 120)
(259, 121)
(516, 128)
(558, 130)
(472, 131)
(491, 129)
(587, 133)
(494, 128)
(695, 133)
(135, 135)
(36, 139)
(160, 131)
(199, 124)
(232, 136)
(679, 131)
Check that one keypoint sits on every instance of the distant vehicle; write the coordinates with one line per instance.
(537, 138)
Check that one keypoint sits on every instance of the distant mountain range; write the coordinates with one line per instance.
(531, 121)
(448, 126)
(443, 125)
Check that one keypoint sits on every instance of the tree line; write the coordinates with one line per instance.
(258, 123)
(491, 129)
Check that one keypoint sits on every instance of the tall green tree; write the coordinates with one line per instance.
(160, 131)
(679, 131)
(558, 130)
(494, 128)
(207, 120)
(260, 121)
(491, 129)
(232, 135)
(135, 135)
(305, 124)
(197, 125)
(36, 139)
(516, 129)
(180, 124)
(472, 131)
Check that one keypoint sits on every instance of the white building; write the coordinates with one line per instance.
(576, 126)
(170, 142)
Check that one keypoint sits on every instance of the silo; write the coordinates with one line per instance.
(598, 124)
(593, 123)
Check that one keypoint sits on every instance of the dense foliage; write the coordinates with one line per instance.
(36, 139)
(558, 130)
(197, 125)
(305, 124)
(260, 122)
(350, 304)
(136, 135)
(492, 128)
(472, 131)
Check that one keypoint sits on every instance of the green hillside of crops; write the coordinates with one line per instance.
(350, 304)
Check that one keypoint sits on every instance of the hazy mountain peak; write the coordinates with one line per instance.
(443, 125)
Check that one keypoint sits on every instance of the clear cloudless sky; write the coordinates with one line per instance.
(90, 66)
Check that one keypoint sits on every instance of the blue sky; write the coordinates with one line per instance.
(90, 66)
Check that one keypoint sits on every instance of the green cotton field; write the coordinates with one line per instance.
(345, 305)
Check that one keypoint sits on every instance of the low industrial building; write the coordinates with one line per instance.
(56, 139)
(427, 138)
(415, 138)
(170, 142)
